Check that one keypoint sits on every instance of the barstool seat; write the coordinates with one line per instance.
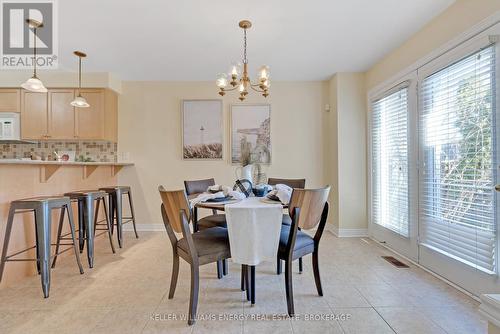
(115, 194)
(42, 208)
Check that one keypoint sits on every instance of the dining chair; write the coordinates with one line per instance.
(308, 209)
(197, 249)
(292, 183)
(197, 187)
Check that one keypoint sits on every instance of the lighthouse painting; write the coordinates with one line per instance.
(202, 129)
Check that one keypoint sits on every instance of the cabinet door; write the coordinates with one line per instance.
(10, 100)
(34, 115)
(61, 114)
(111, 116)
(90, 121)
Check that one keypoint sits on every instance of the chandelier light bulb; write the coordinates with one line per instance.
(235, 69)
(221, 80)
(242, 87)
(264, 73)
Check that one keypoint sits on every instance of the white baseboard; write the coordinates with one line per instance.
(347, 232)
(145, 227)
(342, 233)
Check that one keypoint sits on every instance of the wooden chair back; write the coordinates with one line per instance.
(198, 186)
(292, 183)
(173, 202)
(311, 203)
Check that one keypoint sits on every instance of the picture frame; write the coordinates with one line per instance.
(202, 130)
(251, 133)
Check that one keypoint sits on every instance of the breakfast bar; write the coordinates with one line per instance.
(21, 179)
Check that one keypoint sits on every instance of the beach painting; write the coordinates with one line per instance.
(251, 134)
(202, 129)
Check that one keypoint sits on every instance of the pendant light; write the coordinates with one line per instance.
(34, 84)
(80, 101)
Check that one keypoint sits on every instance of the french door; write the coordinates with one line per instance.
(458, 154)
(435, 147)
(393, 180)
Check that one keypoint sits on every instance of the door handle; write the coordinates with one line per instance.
(497, 187)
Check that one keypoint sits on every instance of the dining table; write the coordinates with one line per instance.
(254, 227)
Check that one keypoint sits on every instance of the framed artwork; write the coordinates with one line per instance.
(251, 133)
(202, 129)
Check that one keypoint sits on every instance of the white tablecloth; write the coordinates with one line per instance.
(254, 230)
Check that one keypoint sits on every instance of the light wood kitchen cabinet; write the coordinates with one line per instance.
(61, 114)
(110, 115)
(50, 116)
(90, 121)
(34, 115)
(10, 100)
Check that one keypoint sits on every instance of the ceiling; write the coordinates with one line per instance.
(196, 39)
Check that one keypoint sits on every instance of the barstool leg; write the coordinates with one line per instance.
(81, 225)
(96, 214)
(59, 231)
(8, 231)
(72, 228)
(89, 230)
(130, 202)
(111, 212)
(37, 247)
(43, 217)
(108, 224)
(119, 217)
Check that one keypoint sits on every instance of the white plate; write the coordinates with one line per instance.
(269, 201)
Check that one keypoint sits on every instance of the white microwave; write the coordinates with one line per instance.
(10, 126)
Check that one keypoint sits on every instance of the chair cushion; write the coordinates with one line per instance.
(212, 221)
(287, 220)
(210, 241)
(302, 240)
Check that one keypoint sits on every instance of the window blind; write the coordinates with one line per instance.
(457, 199)
(390, 161)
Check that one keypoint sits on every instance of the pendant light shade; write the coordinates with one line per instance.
(34, 84)
(80, 101)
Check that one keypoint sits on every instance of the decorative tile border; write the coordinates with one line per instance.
(101, 151)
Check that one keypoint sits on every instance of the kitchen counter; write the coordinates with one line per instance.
(62, 163)
(48, 168)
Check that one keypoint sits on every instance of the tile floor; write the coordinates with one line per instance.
(127, 293)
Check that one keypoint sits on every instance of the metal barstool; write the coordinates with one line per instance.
(42, 208)
(88, 221)
(115, 194)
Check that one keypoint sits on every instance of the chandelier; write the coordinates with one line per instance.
(241, 81)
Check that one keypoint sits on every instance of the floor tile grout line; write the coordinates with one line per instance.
(418, 310)
(380, 315)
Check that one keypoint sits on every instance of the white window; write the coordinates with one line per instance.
(390, 160)
(457, 142)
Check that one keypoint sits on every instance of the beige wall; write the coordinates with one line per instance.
(459, 17)
(150, 129)
(348, 150)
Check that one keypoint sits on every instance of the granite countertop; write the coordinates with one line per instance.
(71, 163)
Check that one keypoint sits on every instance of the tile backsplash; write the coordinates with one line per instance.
(101, 151)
